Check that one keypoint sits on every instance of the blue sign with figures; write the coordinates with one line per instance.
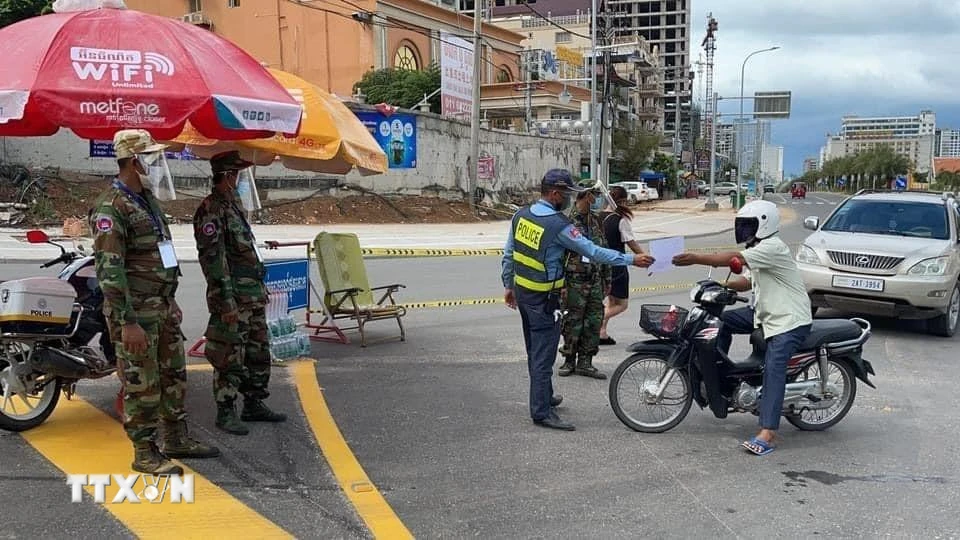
(104, 149)
(900, 183)
(396, 134)
(292, 277)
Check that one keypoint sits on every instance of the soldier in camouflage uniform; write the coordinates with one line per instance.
(237, 340)
(138, 274)
(585, 287)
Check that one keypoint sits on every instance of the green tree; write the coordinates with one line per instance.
(401, 87)
(948, 180)
(631, 152)
(12, 11)
(667, 166)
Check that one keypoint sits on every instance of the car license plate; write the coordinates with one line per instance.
(858, 283)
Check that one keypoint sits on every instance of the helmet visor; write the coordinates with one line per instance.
(745, 229)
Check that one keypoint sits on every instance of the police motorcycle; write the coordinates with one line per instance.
(652, 390)
(49, 330)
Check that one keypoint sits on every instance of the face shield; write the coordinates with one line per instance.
(247, 190)
(745, 229)
(157, 178)
(604, 199)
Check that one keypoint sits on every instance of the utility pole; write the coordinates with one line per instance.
(709, 44)
(593, 92)
(475, 113)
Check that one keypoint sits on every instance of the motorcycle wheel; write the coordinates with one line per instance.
(24, 410)
(821, 419)
(636, 380)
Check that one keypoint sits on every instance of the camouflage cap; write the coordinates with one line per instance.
(228, 161)
(130, 142)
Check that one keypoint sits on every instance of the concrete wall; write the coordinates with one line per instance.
(443, 148)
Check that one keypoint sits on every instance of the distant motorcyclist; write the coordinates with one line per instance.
(782, 305)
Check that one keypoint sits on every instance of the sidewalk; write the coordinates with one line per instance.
(647, 225)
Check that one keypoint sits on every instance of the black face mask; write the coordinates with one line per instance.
(745, 229)
(563, 205)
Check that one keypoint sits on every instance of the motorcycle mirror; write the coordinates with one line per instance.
(37, 237)
(736, 265)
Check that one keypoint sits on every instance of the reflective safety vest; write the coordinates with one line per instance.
(532, 235)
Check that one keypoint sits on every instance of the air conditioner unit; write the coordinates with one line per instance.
(195, 18)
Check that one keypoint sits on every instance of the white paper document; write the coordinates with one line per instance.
(663, 251)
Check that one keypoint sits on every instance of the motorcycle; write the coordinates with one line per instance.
(48, 337)
(684, 357)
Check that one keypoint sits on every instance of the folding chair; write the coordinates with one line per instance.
(347, 292)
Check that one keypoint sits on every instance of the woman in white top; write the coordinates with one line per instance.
(618, 230)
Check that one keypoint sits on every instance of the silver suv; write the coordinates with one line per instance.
(892, 254)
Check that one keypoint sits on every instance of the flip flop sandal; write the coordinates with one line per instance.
(758, 446)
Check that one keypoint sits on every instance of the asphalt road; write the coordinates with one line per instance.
(440, 425)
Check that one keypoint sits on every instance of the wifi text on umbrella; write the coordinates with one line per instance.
(124, 68)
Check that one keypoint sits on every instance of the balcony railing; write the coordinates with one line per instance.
(562, 20)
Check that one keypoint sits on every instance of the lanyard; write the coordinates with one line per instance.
(243, 217)
(143, 204)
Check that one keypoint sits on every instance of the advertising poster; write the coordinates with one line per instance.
(456, 76)
(397, 136)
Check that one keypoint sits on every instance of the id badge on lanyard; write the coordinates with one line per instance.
(168, 255)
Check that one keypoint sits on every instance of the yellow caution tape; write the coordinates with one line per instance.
(487, 252)
(487, 301)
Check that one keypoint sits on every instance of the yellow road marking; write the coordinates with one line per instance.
(369, 503)
(103, 448)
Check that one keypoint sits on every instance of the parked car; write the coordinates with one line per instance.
(798, 190)
(638, 192)
(769, 188)
(893, 254)
(702, 186)
(723, 188)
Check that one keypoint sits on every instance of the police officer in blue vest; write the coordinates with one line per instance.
(532, 275)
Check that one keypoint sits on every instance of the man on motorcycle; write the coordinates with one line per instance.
(782, 305)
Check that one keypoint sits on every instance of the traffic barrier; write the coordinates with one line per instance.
(487, 301)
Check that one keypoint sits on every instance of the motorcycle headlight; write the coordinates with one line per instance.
(930, 267)
(807, 255)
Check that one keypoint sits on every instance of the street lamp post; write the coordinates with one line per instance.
(593, 92)
(743, 68)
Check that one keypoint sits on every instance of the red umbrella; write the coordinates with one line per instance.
(102, 70)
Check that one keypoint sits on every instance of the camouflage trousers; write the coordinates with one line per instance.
(581, 325)
(240, 354)
(154, 382)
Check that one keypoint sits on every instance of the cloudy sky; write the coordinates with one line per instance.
(863, 57)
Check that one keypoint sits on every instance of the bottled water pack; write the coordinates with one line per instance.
(286, 341)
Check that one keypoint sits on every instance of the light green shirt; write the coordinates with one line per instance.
(782, 303)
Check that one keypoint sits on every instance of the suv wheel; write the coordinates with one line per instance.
(946, 324)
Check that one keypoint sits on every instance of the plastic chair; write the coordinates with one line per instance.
(347, 291)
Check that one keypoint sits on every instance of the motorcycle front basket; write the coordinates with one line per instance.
(654, 316)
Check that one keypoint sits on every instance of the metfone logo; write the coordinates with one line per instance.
(135, 488)
(119, 110)
(124, 68)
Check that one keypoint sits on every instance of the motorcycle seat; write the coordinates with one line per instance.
(821, 332)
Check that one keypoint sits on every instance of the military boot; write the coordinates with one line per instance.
(585, 368)
(568, 367)
(148, 459)
(255, 410)
(177, 444)
(228, 421)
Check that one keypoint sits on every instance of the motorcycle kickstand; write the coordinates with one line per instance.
(69, 390)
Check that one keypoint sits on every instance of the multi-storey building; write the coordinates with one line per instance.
(663, 24)
(333, 44)
(811, 164)
(948, 143)
(637, 84)
(771, 164)
(910, 136)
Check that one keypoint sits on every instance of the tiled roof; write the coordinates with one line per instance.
(946, 165)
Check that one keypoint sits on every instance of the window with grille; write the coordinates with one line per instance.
(233, 3)
(563, 37)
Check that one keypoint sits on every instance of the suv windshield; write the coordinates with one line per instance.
(897, 218)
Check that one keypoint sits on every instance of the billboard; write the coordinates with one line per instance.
(771, 105)
(456, 76)
(396, 134)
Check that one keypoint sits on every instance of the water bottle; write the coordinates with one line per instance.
(304, 344)
(669, 322)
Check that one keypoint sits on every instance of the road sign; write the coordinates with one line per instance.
(900, 183)
(771, 105)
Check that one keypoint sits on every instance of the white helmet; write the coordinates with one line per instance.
(755, 221)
